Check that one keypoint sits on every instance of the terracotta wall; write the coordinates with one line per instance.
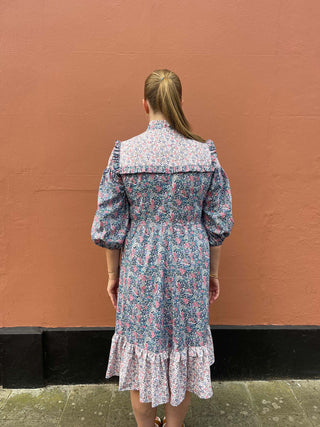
(72, 77)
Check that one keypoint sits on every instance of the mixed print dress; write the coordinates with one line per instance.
(164, 200)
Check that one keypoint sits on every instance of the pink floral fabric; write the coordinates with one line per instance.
(160, 374)
(164, 200)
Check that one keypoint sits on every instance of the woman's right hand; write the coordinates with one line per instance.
(214, 289)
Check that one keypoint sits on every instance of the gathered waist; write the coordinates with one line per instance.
(165, 227)
(164, 222)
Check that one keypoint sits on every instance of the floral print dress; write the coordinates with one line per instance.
(164, 199)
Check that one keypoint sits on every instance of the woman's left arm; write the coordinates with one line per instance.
(113, 262)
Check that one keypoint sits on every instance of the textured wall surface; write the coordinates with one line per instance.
(72, 76)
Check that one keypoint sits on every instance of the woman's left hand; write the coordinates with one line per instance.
(112, 289)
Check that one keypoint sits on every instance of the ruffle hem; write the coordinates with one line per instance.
(162, 377)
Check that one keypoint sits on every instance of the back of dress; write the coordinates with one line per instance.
(164, 199)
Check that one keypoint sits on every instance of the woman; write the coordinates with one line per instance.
(165, 200)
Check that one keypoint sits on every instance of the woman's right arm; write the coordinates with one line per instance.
(217, 207)
(215, 253)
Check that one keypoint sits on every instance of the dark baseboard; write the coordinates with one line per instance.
(35, 357)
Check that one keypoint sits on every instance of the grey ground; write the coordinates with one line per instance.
(234, 403)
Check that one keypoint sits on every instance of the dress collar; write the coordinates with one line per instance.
(158, 124)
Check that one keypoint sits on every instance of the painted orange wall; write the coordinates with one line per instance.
(72, 76)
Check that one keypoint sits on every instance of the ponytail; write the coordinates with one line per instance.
(163, 90)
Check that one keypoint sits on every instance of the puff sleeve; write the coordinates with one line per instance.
(217, 205)
(111, 222)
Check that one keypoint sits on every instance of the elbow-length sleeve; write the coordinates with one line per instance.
(217, 206)
(111, 221)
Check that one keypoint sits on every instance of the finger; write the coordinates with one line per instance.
(113, 300)
(111, 296)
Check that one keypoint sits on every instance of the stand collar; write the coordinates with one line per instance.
(158, 124)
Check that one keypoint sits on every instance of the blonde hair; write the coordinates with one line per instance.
(163, 90)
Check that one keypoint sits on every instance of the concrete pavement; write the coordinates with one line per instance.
(234, 403)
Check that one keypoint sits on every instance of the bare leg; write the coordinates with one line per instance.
(175, 414)
(143, 412)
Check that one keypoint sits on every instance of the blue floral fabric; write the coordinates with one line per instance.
(164, 200)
